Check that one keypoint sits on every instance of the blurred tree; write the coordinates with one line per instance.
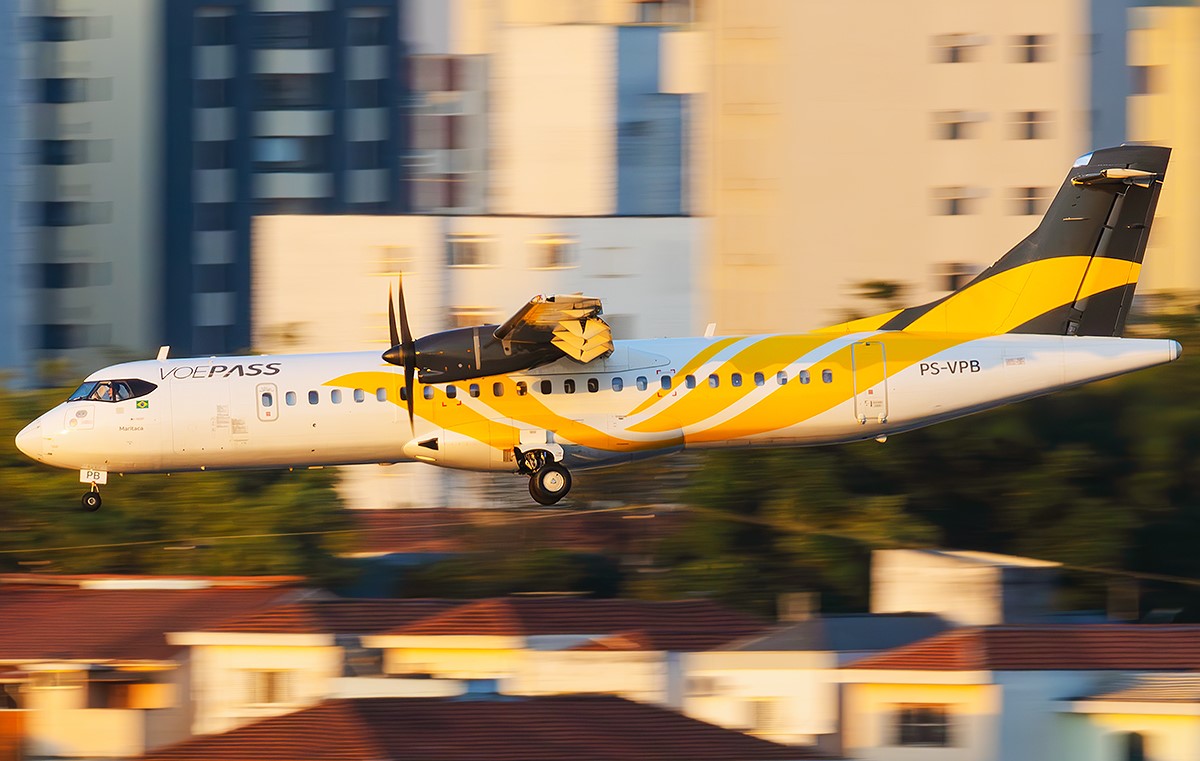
(494, 574)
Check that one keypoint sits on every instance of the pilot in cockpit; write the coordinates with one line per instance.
(103, 392)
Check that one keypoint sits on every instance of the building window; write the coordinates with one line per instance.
(270, 687)
(954, 201)
(955, 48)
(1031, 48)
(553, 252)
(367, 26)
(1030, 201)
(72, 213)
(214, 26)
(955, 125)
(1031, 125)
(367, 155)
(291, 30)
(923, 725)
(765, 716)
(954, 275)
(213, 216)
(60, 28)
(66, 152)
(284, 153)
(465, 250)
(213, 154)
(214, 93)
(664, 12)
(64, 90)
(1145, 80)
(292, 90)
(366, 93)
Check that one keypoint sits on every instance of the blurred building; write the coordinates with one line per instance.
(1164, 64)
(914, 146)
(462, 270)
(16, 313)
(271, 107)
(92, 192)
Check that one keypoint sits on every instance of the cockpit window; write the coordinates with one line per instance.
(112, 390)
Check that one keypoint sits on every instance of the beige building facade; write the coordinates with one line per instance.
(843, 143)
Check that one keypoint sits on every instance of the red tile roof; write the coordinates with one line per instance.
(84, 624)
(92, 580)
(1048, 648)
(673, 625)
(580, 728)
(338, 616)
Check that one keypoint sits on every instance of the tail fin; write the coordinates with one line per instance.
(1075, 274)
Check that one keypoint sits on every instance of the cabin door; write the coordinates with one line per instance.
(869, 359)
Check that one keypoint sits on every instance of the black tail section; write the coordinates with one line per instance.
(1076, 273)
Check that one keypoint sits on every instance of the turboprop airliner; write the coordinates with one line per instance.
(550, 392)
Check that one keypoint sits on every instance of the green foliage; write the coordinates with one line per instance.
(493, 574)
(40, 511)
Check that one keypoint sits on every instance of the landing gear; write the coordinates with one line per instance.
(549, 484)
(91, 500)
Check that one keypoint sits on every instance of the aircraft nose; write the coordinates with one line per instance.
(29, 440)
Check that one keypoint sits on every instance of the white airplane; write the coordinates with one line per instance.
(550, 392)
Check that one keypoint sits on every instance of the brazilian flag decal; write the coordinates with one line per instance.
(143, 404)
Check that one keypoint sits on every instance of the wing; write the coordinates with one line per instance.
(571, 323)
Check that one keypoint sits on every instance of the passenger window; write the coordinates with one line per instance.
(427, 392)
(522, 388)
(735, 379)
(804, 377)
(759, 379)
(381, 394)
(267, 399)
(617, 383)
(498, 389)
(313, 397)
(547, 387)
(781, 377)
(451, 392)
(689, 381)
(473, 390)
(290, 398)
(827, 376)
(593, 385)
(568, 386)
(714, 381)
(360, 395)
(665, 382)
(404, 394)
(335, 396)
(642, 383)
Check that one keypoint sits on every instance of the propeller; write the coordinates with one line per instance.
(404, 350)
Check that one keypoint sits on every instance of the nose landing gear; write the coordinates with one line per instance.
(91, 499)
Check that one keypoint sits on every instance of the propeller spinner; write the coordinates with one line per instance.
(404, 349)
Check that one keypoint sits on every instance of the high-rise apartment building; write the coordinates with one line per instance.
(271, 107)
(855, 146)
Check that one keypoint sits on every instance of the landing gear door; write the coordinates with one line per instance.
(869, 359)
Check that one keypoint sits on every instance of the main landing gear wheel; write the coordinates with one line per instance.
(91, 501)
(550, 484)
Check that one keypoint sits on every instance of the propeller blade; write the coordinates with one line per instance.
(403, 350)
(392, 317)
(408, 350)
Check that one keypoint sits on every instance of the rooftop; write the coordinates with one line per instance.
(673, 625)
(582, 728)
(70, 623)
(856, 632)
(1169, 647)
(337, 616)
(1152, 688)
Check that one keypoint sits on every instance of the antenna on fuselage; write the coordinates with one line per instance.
(162, 353)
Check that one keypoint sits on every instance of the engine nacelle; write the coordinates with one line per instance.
(476, 446)
(464, 353)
